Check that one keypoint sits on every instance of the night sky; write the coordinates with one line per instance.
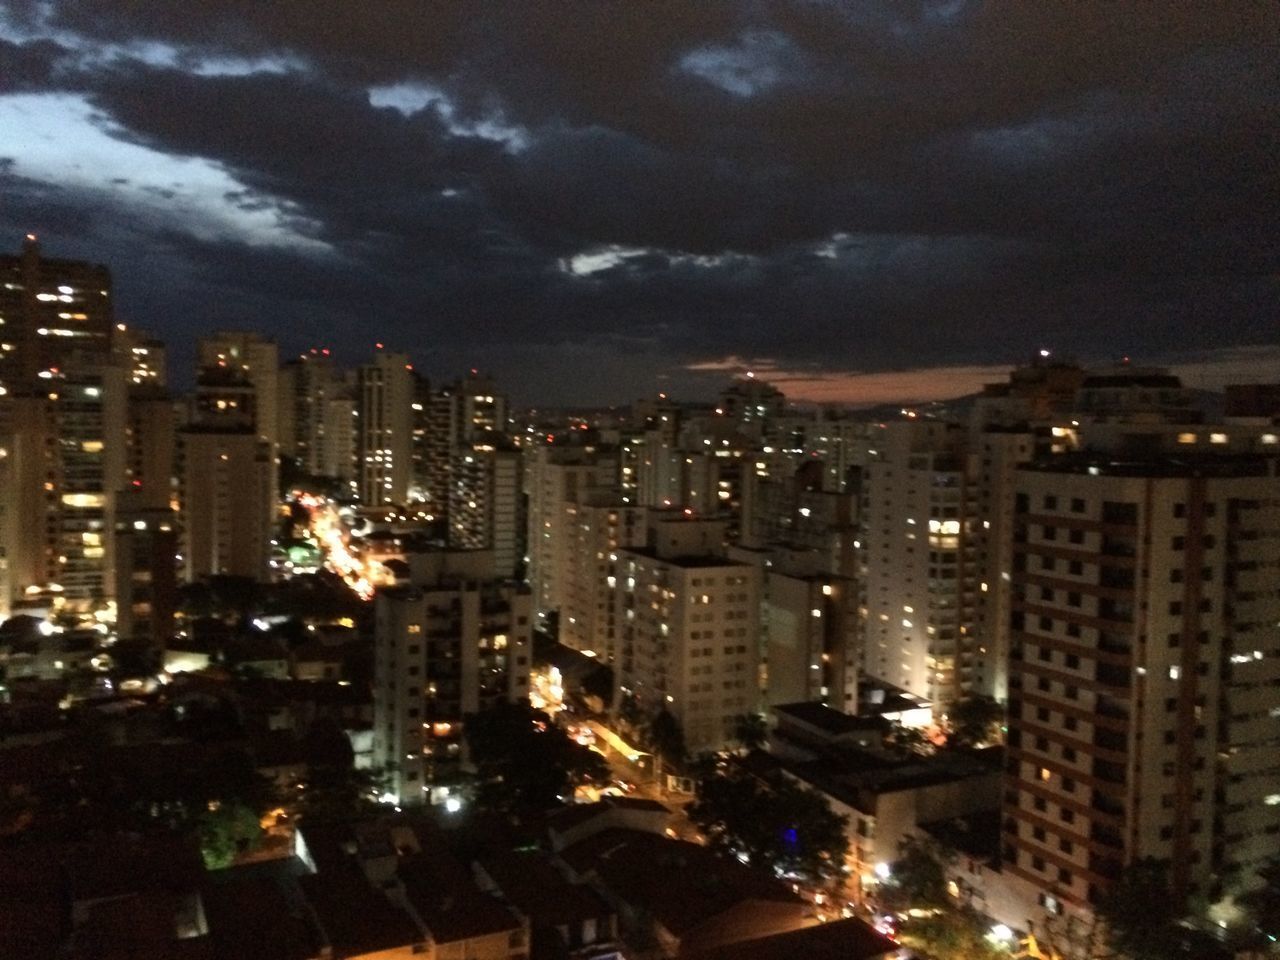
(597, 200)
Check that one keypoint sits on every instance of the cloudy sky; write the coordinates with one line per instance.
(593, 200)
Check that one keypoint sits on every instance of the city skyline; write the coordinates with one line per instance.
(726, 190)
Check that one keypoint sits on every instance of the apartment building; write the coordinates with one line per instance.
(1144, 687)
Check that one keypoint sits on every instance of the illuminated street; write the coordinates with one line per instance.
(327, 529)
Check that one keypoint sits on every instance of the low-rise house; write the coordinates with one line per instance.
(566, 920)
(673, 897)
(849, 939)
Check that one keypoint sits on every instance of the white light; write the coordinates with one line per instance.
(882, 871)
(46, 628)
(452, 805)
(1001, 931)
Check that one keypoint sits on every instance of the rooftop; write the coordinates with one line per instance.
(839, 940)
(1160, 465)
(829, 719)
(446, 897)
(682, 885)
(537, 889)
(684, 562)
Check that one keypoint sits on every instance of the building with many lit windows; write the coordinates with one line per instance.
(690, 624)
(384, 429)
(50, 309)
(255, 360)
(919, 562)
(453, 641)
(1144, 687)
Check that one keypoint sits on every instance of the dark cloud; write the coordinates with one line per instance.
(852, 185)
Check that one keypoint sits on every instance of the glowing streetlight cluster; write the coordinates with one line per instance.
(331, 536)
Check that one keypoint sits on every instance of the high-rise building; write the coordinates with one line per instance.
(151, 447)
(452, 642)
(556, 476)
(253, 359)
(317, 416)
(29, 493)
(486, 504)
(226, 491)
(1144, 684)
(596, 527)
(752, 402)
(384, 433)
(146, 571)
(90, 406)
(920, 571)
(66, 469)
(690, 623)
(50, 309)
(145, 358)
(450, 423)
(809, 628)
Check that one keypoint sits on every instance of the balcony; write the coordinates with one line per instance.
(1119, 547)
(1107, 836)
(1105, 803)
(1108, 772)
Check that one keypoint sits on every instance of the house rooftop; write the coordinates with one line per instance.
(445, 895)
(529, 880)
(682, 885)
(849, 939)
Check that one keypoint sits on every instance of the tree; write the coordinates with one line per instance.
(1141, 912)
(1263, 903)
(226, 831)
(974, 722)
(751, 730)
(952, 934)
(909, 739)
(334, 790)
(524, 762)
(778, 824)
(918, 878)
(665, 736)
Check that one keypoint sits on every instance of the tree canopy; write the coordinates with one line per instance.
(524, 761)
(776, 823)
(1141, 912)
(974, 722)
(664, 735)
(918, 878)
(751, 730)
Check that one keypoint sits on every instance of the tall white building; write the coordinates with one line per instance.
(384, 432)
(256, 359)
(317, 416)
(920, 573)
(486, 505)
(556, 476)
(66, 463)
(690, 621)
(226, 492)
